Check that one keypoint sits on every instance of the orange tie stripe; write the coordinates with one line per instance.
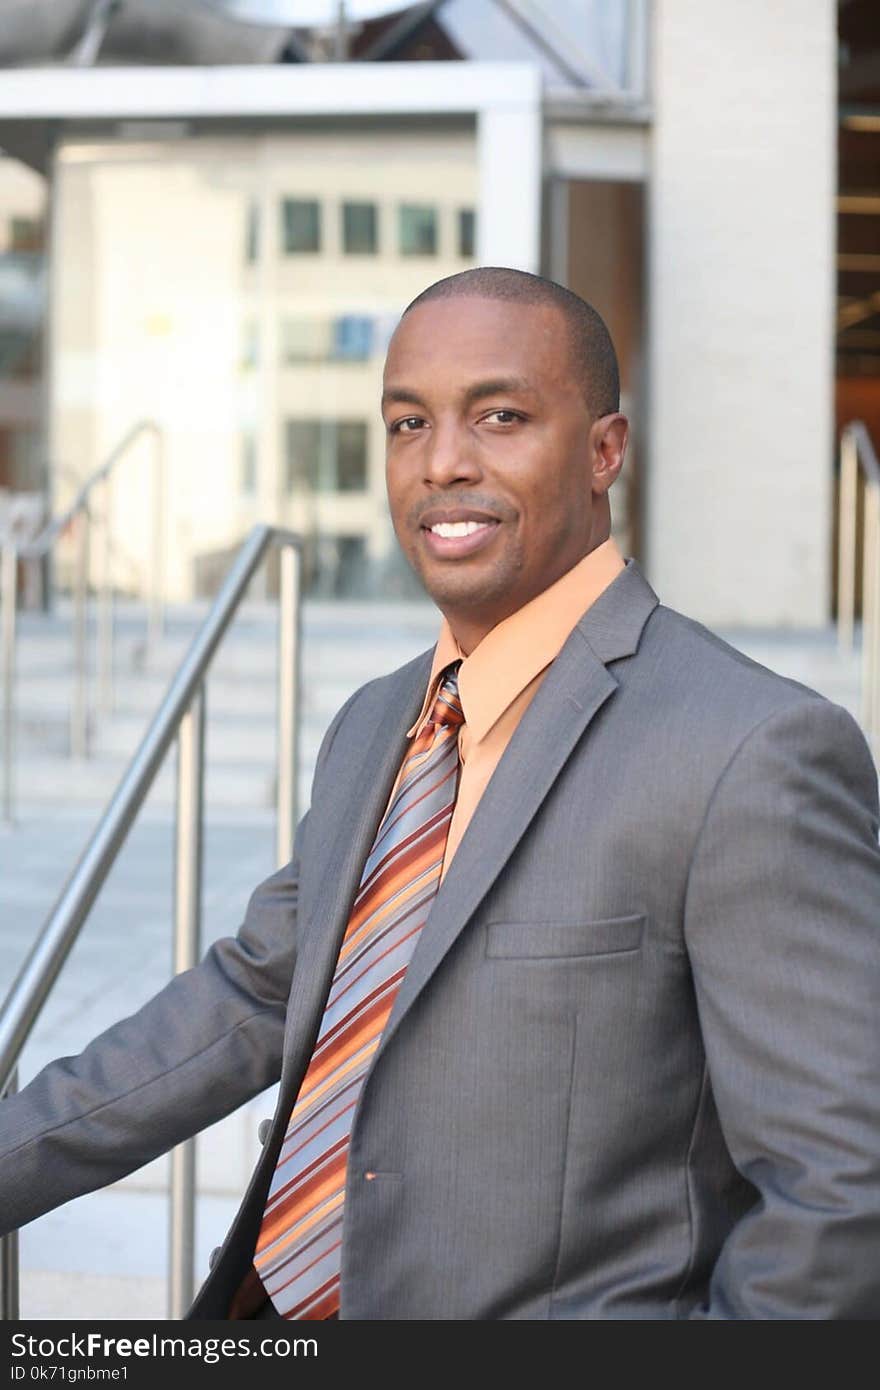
(298, 1252)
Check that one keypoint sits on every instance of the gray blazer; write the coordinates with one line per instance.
(632, 1070)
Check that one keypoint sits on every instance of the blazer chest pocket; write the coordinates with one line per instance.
(555, 940)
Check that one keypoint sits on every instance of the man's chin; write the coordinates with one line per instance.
(468, 595)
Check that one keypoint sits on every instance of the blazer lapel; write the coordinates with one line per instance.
(573, 691)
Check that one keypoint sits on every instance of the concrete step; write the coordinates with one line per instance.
(234, 734)
(48, 697)
(46, 780)
(252, 657)
(341, 616)
(338, 625)
(235, 739)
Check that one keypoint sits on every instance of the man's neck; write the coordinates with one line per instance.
(469, 631)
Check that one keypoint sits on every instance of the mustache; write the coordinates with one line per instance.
(473, 500)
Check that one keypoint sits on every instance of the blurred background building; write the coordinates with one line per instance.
(213, 211)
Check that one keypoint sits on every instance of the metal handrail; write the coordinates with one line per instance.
(857, 452)
(180, 714)
(80, 511)
(9, 1291)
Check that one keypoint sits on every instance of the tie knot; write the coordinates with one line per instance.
(447, 704)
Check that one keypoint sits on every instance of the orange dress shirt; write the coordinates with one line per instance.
(498, 680)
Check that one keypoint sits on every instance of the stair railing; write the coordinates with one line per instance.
(857, 455)
(80, 515)
(180, 716)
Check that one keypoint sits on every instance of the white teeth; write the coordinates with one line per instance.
(458, 528)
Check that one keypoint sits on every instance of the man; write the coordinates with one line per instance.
(572, 980)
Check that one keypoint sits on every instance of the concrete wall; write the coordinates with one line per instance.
(741, 303)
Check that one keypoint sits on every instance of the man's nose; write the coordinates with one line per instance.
(450, 455)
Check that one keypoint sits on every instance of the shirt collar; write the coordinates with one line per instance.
(516, 649)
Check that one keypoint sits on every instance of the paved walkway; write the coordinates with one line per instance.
(105, 1254)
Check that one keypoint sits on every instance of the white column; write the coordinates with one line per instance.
(509, 168)
(741, 309)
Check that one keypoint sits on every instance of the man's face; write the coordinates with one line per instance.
(486, 420)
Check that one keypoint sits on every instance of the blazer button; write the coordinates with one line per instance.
(214, 1256)
(263, 1131)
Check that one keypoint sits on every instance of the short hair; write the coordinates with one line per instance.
(592, 351)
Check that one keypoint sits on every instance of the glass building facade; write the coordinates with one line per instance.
(241, 293)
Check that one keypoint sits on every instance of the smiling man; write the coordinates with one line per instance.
(572, 981)
(521, 446)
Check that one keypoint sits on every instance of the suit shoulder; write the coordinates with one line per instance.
(709, 704)
(713, 677)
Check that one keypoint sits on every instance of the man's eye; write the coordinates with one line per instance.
(504, 417)
(407, 425)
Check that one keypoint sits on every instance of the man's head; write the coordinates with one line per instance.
(500, 400)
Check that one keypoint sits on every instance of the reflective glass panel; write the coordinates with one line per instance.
(418, 230)
(359, 229)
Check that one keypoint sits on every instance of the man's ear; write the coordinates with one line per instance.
(608, 439)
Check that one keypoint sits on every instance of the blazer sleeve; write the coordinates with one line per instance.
(782, 925)
(205, 1044)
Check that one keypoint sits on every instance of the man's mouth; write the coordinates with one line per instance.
(452, 539)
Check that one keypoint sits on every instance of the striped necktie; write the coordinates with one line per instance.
(298, 1252)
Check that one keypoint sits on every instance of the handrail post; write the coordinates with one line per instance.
(8, 600)
(289, 644)
(9, 1289)
(156, 615)
(106, 605)
(187, 933)
(870, 598)
(79, 714)
(846, 540)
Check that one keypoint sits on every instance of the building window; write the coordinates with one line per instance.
(359, 229)
(250, 345)
(352, 575)
(467, 227)
(248, 475)
(300, 225)
(418, 230)
(336, 567)
(349, 338)
(352, 338)
(306, 340)
(326, 455)
(252, 234)
(351, 456)
(304, 456)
